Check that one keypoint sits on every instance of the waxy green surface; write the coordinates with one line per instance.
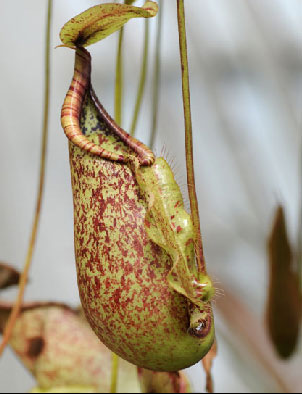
(125, 270)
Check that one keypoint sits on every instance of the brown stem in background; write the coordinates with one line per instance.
(246, 328)
(207, 363)
(189, 137)
(24, 276)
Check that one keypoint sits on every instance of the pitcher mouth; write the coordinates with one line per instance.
(71, 113)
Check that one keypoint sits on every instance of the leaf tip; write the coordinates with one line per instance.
(66, 46)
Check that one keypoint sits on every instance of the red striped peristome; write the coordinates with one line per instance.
(71, 111)
(145, 155)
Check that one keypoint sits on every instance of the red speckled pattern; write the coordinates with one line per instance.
(122, 274)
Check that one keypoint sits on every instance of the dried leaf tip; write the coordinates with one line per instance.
(8, 276)
(100, 21)
(283, 311)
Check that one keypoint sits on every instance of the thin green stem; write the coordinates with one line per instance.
(188, 135)
(119, 73)
(156, 77)
(24, 276)
(118, 96)
(142, 82)
(114, 372)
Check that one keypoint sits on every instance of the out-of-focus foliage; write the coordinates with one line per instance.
(284, 307)
(8, 276)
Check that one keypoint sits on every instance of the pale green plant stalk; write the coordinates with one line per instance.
(24, 276)
(142, 82)
(156, 76)
(118, 95)
(114, 372)
(188, 136)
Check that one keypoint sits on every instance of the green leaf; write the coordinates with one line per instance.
(100, 21)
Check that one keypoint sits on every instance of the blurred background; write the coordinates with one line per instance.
(245, 60)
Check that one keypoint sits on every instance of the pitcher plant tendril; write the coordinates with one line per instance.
(24, 276)
(190, 164)
(189, 137)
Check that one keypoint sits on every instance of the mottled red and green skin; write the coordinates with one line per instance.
(59, 348)
(122, 273)
(56, 344)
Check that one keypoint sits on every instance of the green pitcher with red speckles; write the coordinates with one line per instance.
(138, 281)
